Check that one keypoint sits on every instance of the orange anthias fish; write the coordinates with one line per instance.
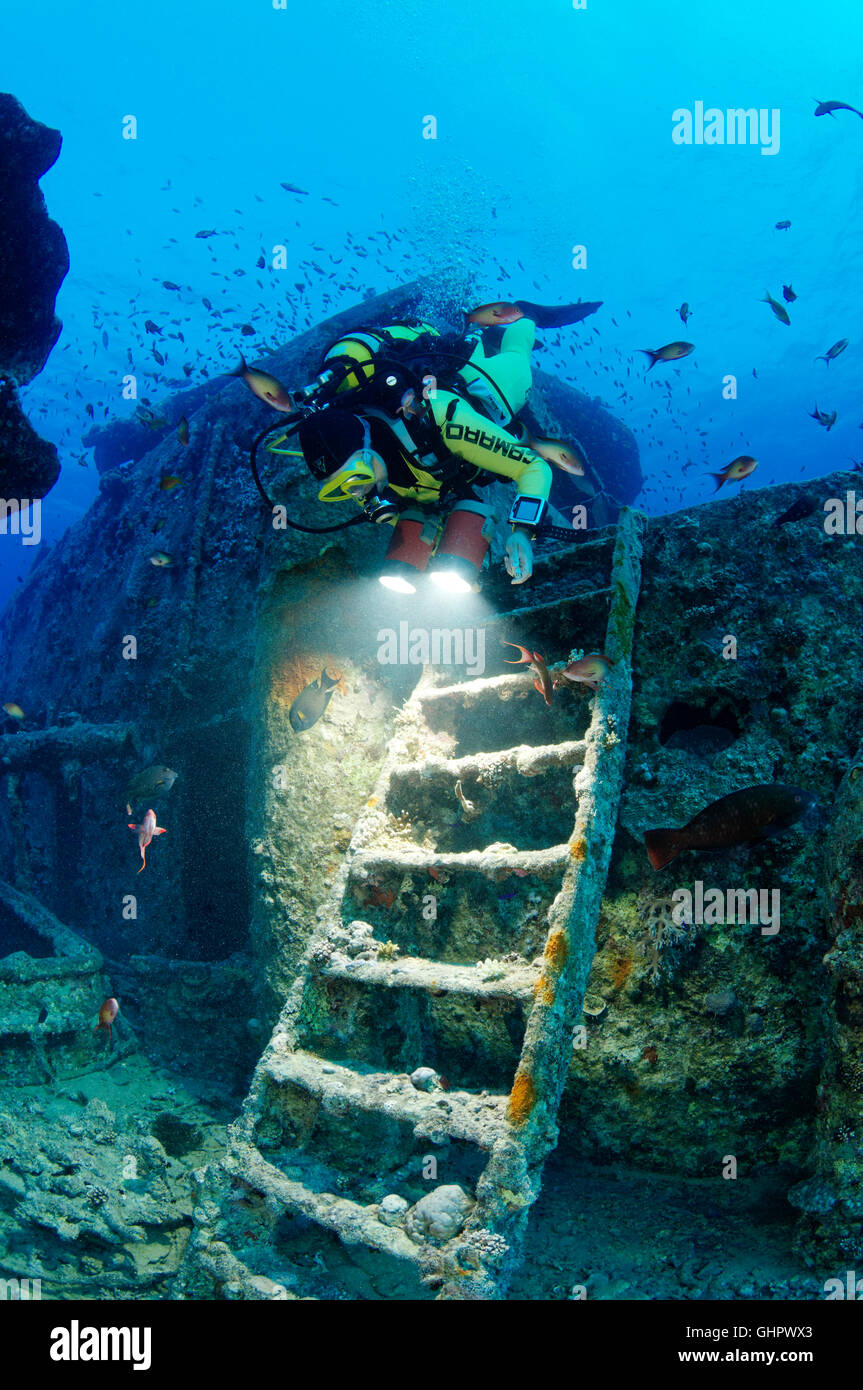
(499, 312)
(736, 471)
(264, 386)
(145, 832)
(107, 1014)
(536, 660)
(591, 670)
(569, 457)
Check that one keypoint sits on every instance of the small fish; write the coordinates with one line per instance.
(169, 481)
(150, 783)
(741, 818)
(169, 285)
(311, 702)
(183, 431)
(804, 506)
(203, 235)
(571, 458)
(145, 832)
(828, 420)
(410, 405)
(151, 327)
(788, 294)
(829, 108)
(542, 680)
(247, 330)
(158, 356)
(161, 559)
(783, 226)
(107, 1014)
(14, 711)
(833, 351)
(104, 340)
(669, 353)
(690, 463)
(779, 309)
(591, 671)
(467, 806)
(499, 312)
(292, 188)
(685, 312)
(264, 386)
(735, 471)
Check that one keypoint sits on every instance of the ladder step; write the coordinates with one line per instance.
(526, 759)
(353, 1223)
(582, 596)
(463, 1115)
(415, 972)
(468, 692)
(493, 862)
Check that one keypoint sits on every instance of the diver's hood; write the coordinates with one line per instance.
(328, 437)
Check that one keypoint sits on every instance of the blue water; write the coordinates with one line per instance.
(553, 129)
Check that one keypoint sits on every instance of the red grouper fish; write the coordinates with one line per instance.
(542, 681)
(145, 832)
(743, 817)
(107, 1014)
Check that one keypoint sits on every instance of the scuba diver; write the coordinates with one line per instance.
(409, 423)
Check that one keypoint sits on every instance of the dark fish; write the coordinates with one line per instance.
(742, 818)
(829, 108)
(158, 356)
(788, 294)
(247, 330)
(152, 782)
(151, 327)
(685, 312)
(825, 418)
(104, 340)
(669, 353)
(206, 234)
(169, 285)
(292, 188)
(779, 309)
(260, 263)
(783, 226)
(804, 506)
(183, 430)
(311, 703)
(833, 351)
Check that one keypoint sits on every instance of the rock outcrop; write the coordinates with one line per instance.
(34, 259)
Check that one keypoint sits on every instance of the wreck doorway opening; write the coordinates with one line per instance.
(215, 876)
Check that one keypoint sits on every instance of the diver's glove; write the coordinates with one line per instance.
(519, 557)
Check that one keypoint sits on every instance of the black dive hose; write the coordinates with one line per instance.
(253, 464)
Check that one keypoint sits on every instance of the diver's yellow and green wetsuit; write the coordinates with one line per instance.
(460, 433)
(479, 439)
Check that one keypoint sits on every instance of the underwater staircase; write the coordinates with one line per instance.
(334, 1121)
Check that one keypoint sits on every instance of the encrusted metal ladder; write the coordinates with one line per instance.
(319, 1077)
